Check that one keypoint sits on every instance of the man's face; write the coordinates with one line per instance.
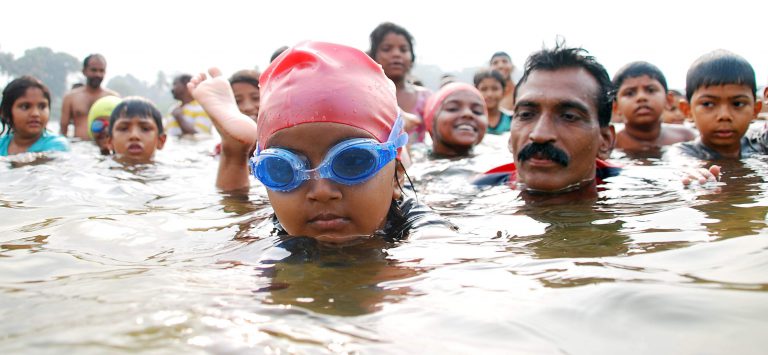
(178, 89)
(94, 72)
(555, 130)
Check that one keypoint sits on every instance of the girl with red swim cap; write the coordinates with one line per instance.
(327, 144)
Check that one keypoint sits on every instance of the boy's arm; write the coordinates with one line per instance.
(186, 126)
(238, 131)
(66, 110)
(702, 175)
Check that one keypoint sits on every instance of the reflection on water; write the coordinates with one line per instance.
(96, 257)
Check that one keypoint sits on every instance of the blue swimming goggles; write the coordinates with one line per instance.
(99, 125)
(350, 162)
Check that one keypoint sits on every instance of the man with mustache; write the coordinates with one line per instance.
(78, 101)
(561, 125)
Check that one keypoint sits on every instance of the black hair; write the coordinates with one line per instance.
(500, 54)
(183, 78)
(719, 67)
(637, 69)
(562, 57)
(277, 52)
(90, 56)
(378, 34)
(136, 106)
(12, 92)
(490, 74)
(245, 76)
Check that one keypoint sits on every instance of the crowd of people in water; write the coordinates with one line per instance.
(328, 129)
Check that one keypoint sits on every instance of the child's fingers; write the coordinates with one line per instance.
(715, 171)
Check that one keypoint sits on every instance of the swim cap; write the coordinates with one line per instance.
(435, 102)
(102, 108)
(326, 82)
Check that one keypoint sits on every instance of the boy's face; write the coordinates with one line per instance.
(492, 92)
(460, 123)
(321, 208)
(641, 101)
(673, 114)
(722, 114)
(247, 98)
(135, 139)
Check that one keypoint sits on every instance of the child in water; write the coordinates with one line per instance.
(98, 121)
(328, 141)
(135, 131)
(456, 119)
(24, 112)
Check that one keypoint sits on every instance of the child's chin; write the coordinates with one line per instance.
(341, 238)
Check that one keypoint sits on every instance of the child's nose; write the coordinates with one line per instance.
(323, 190)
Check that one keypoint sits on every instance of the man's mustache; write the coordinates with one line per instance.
(547, 150)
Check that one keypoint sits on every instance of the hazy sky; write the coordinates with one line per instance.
(142, 37)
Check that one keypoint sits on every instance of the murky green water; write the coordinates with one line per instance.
(96, 258)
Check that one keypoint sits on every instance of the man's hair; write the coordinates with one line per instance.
(378, 34)
(719, 67)
(136, 106)
(12, 92)
(562, 57)
(637, 69)
(91, 56)
(490, 74)
(246, 76)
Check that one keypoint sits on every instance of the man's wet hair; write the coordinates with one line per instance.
(490, 74)
(719, 67)
(562, 57)
(638, 69)
(382, 30)
(135, 106)
(12, 92)
(92, 56)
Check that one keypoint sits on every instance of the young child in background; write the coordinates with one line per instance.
(245, 85)
(641, 99)
(24, 113)
(456, 119)
(502, 63)
(135, 131)
(721, 89)
(328, 139)
(492, 85)
(672, 113)
(98, 121)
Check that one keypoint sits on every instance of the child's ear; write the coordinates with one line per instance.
(161, 141)
(670, 100)
(758, 107)
(607, 142)
(398, 180)
(109, 144)
(685, 107)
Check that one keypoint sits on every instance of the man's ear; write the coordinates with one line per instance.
(607, 142)
(684, 106)
(161, 141)
(398, 180)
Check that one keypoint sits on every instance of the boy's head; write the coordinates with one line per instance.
(136, 130)
(674, 114)
(641, 94)
(98, 121)
(456, 118)
(245, 85)
(720, 87)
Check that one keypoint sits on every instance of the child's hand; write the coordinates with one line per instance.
(702, 175)
(216, 96)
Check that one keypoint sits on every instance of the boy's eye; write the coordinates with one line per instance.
(739, 104)
(628, 93)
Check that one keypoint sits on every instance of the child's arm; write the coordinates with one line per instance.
(702, 175)
(238, 131)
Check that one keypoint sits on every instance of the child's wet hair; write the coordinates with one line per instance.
(719, 67)
(12, 92)
(490, 74)
(246, 76)
(638, 69)
(381, 31)
(136, 106)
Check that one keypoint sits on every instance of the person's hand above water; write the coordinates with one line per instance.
(701, 175)
(215, 94)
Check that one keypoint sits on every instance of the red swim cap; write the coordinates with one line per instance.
(435, 102)
(326, 82)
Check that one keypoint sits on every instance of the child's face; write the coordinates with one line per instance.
(247, 98)
(461, 122)
(672, 113)
(322, 208)
(492, 92)
(503, 65)
(135, 139)
(101, 138)
(722, 114)
(30, 113)
(394, 55)
(641, 101)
